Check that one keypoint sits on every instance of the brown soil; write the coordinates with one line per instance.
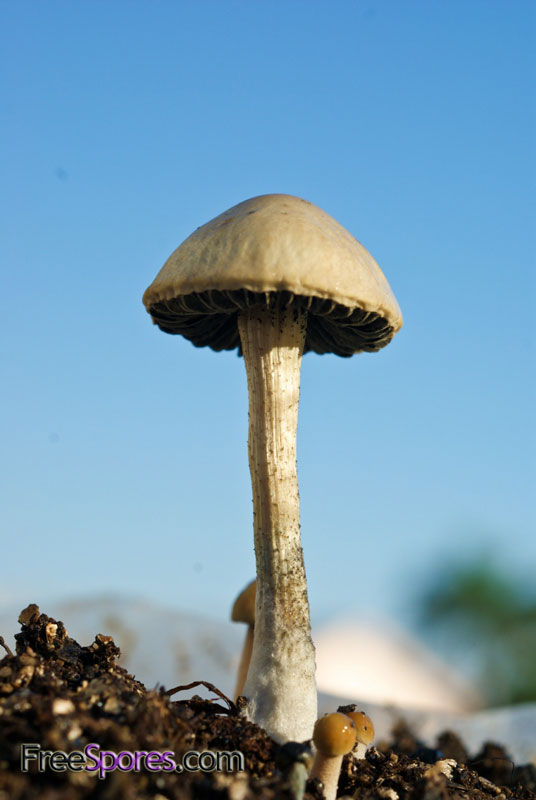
(63, 696)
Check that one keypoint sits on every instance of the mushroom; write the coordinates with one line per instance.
(334, 736)
(244, 611)
(365, 732)
(295, 760)
(275, 277)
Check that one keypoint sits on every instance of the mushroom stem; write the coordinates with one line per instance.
(245, 658)
(360, 751)
(280, 687)
(328, 770)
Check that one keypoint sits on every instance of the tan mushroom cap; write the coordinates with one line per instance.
(244, 605)
(275, 249)
(334, 734)
(363, 725)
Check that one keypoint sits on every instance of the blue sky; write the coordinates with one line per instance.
(126, 125)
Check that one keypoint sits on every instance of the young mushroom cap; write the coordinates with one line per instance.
(334, 734)
(364, 731)
(276, 277)
(244, 605)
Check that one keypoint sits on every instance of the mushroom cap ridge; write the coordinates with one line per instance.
(275, 249)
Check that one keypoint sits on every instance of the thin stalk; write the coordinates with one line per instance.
(245, 660)
(280, 686)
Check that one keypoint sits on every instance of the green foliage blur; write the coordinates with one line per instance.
(485, 618)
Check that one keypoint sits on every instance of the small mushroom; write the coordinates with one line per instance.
(334, 736)
(276, 277)
(365, 732)
(295, 760)
(244, 611)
